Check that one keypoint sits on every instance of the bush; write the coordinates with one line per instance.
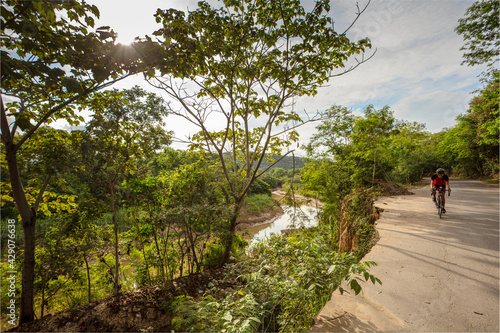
(287, 280)
(272, 180)
(215, 251)
(259, 187)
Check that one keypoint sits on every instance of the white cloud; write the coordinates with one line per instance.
(418, 59)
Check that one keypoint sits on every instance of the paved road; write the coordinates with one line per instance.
(439, 275)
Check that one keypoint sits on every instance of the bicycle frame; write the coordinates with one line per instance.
(440, 199)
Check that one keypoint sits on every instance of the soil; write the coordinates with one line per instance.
(388, 188)
(248, 220)
(145, 309)
(300, 199)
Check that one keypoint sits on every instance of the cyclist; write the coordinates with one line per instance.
(440, 180)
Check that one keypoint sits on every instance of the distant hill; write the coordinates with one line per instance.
(286, 163)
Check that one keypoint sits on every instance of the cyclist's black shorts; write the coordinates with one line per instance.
(441, 188)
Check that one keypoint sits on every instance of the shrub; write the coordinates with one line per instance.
(215, 251)
(259, 187)
(287, 280)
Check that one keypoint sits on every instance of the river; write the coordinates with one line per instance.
(303, 217)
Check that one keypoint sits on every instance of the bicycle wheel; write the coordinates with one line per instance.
(440, 205)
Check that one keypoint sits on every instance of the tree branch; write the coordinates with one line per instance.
(42, 190)
(64, 104)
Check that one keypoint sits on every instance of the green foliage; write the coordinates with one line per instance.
(471, 146)
(11, 286)
(215, 251)
(56, 263)
(273, 181)
(257, 203)
(180, 209)
(162, 214)
(259, 186)
(286, 281)
(169, 159)
(480, 29)
(50, 60)
(351, 152)
(408, 154)
(285, 162)
(126, 126)
(38, 40)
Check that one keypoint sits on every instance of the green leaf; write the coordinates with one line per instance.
(72, 85)
(355, 286)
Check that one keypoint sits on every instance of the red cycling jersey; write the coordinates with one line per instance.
(439, 181)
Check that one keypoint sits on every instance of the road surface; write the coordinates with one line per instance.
(438, 275)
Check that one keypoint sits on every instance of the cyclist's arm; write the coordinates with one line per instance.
(447, 182)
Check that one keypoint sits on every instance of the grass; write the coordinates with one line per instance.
(258, 203)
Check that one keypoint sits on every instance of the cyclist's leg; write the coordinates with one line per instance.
(442, 192)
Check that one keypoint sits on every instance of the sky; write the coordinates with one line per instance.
(416, 69)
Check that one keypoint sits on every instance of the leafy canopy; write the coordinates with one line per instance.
(480, 29)
(50, 58)
(245, 62)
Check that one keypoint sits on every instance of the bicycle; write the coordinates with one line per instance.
(440, 199)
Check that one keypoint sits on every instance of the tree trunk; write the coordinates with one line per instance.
(162, 266)
(27, 313)
(374, 166)
(115, 225)
(43, 303)
(88, 277)
(232, 230)
(28, 218)
(142, 245)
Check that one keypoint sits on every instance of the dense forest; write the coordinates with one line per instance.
(110, 207)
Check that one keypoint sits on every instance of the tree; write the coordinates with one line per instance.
(245, 64)
(50, 60)
(57, 263)
(408, 153)
(126, 127)
(350, 152)
(480, 29)
(472, 145)
(369, 137)
(194, 207)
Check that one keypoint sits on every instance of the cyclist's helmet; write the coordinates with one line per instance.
(440, 171)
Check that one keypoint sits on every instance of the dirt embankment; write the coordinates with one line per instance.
(248, 220)
(146, 309)
(300, 199)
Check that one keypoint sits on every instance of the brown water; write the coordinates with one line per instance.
(305, 216)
